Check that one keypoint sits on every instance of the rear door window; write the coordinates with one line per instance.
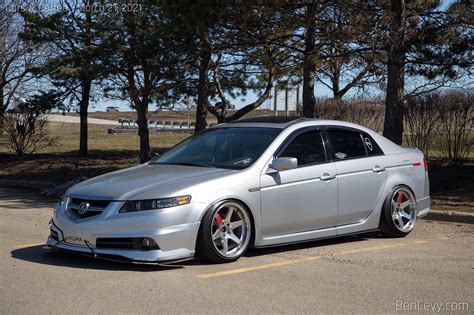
(371, 145)
(346, 144)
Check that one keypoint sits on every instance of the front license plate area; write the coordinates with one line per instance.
(74, 239)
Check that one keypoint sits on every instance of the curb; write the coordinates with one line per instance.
(450, 216)
(434, 215)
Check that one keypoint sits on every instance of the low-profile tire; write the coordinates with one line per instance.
(398, 216)
(225, 232)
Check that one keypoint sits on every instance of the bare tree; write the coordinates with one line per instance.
(17, 57)
(421, 117)
(456, 122)
(25, 132)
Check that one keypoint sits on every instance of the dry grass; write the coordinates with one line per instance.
(60, 163)
(67, 139)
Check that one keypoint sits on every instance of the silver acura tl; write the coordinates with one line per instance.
(250, 183)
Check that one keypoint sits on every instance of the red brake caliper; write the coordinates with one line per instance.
(399, 198)
(218, 219)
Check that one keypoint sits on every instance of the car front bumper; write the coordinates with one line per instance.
(173, 229)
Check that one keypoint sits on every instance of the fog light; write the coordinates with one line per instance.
(148, 243)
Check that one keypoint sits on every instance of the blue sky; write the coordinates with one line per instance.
(320, 91)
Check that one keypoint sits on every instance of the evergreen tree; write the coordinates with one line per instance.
(235, 49)
(146, 62)
(75, 33)
(421, 40)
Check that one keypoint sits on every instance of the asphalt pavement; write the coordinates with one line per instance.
(430, 271)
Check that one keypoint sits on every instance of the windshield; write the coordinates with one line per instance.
(232, 147)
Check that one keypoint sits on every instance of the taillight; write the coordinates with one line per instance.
(426, 164)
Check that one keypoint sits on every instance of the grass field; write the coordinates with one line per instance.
(452, 186)
(67, 139)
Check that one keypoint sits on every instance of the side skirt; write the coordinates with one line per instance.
(318, 239)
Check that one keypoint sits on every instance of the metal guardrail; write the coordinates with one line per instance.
(131, 126)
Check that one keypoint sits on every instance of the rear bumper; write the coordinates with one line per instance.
(423, 207)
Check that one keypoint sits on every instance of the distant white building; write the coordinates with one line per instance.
(286, 99)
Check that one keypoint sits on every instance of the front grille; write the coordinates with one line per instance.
(54, 235)
(123, 243)
(93, 207)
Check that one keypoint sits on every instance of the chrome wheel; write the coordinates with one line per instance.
(231, 229)
(403, 209)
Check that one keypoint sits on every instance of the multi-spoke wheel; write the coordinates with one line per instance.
(225, 232)
(399, 213)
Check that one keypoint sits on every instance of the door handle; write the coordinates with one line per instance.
(326, 177)
(378, 169)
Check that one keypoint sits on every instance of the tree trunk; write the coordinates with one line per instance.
(262, 98)
(83, 111)
(203, 88)
(393, 124)
(143, 132)
(86, 93)
(309, 66)
(3, 108)
(335, 87)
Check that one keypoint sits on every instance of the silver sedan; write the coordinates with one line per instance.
(251, 183)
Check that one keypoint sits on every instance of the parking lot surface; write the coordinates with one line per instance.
(430, 271)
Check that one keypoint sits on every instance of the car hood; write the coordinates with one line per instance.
(124, 184)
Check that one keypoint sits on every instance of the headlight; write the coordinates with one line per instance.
(60, 204)
(153, 204)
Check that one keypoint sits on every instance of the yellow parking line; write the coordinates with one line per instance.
(258, 267)
(368, 249)
(297, 261)
(27, 245)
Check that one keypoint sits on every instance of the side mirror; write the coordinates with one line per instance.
(282, 164)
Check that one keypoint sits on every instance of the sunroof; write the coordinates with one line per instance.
(267, 119)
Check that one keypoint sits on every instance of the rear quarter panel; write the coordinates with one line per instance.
(407, 168)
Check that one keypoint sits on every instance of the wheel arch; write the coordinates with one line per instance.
(396, 178)
(398, 185)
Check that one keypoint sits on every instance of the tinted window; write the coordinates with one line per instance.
(307, 147)
(371, 145)
(346, 144)
(234, 148)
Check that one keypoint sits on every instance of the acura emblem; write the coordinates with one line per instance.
(83, 208)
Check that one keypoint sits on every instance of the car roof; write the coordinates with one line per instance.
(283, 122)
(296, 122)
(280, 122)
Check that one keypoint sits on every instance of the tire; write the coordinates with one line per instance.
(225, 232)
(398, 216)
